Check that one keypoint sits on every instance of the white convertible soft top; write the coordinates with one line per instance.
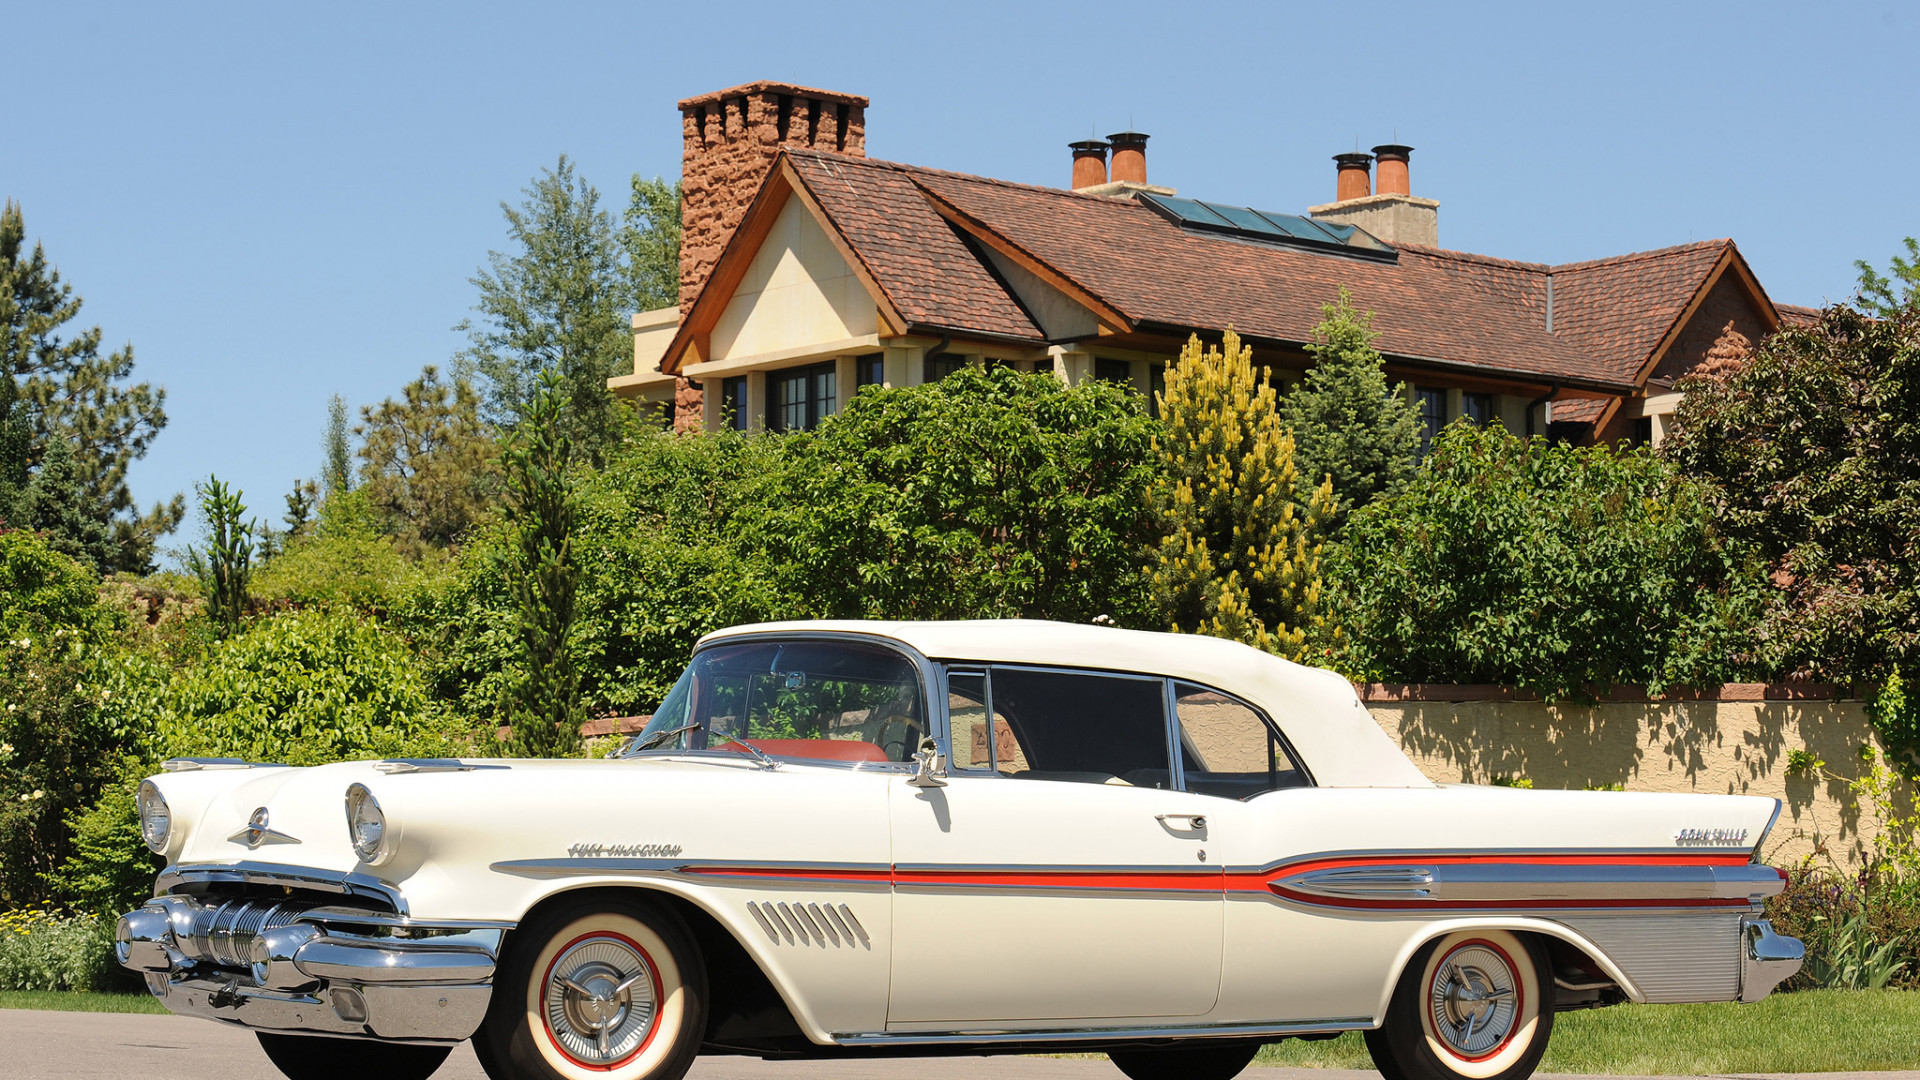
(1317, 709)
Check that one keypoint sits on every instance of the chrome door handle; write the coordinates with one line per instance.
(1195, 822)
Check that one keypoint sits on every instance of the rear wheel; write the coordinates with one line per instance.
(1471, 1006)
(596, 990)
(317, 1057)
(1200, 1061)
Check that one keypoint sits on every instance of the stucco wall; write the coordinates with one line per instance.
(1735, 747)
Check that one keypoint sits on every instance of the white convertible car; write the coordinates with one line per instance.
(865, 838)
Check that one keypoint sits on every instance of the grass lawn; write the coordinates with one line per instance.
(68, 1001)
(1809, 1031)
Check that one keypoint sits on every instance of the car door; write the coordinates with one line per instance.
(1058, 876)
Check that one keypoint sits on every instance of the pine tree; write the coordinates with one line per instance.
(558, 302)
(1348, 424)
(546, 709)
(428, 461)
(73, 394)
(650, 237)
(1240, 556)
(58, 502)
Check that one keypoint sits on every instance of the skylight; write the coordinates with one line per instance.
(1289, 230)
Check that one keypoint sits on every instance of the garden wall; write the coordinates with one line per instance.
(1735, 739)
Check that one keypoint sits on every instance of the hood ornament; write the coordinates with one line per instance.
(257, 832)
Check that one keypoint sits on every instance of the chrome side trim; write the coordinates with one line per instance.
(1085, 1035)
(1413, 857)
(1495, 882)
(591, 866)
(290, 877)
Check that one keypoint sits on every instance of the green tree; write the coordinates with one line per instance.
(541, 508)
(1811, 452)
(650, 239)
(1239, 556)
(336, 469)
(428, 462)
(1348, 424)
(1885, 296)
(1558, 569)
(74, 394)
(557, 302)
(986, 495)
(225, 564)
(59, 502)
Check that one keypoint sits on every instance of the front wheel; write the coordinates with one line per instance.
(1205, 1061)
(1471, 1006)
(596, 989)
(317, 1057)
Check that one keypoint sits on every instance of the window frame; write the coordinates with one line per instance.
(1430, 427)
(1273, 731)
(733, 403)
(810, 374)
(1169, 719)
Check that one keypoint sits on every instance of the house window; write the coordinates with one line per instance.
(940, 365)
(733, 401)
(1432, 408)
(870, 370)
(1113, 371)
(1643, 431)
(1478, 408)
(801, 397)
(1157, 387)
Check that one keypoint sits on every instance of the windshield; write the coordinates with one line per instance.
(833, 700)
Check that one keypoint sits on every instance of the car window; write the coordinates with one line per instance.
(978, 745)
(1079, 727)
(1227, 748)
(837, 700)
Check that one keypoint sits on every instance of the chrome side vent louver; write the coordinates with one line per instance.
(827, 926)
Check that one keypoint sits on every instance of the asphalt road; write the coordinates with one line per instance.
(107, 1046)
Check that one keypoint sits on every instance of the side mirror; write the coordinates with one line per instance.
(929, 765)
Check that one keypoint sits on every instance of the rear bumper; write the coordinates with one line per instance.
(279, 966)
(1767, 959)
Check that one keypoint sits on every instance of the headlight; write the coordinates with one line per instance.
(156, 821)
(366, 825)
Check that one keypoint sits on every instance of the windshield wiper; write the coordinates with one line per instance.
(650, 741)
(765, 759)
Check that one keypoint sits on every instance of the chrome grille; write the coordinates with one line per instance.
(828, 926)
(223, 933)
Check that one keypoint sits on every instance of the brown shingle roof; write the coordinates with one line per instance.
(1798, 316)
(925, 267)
(1435, 305)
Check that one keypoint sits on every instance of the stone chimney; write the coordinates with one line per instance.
(730, 139)
(1089, 163)
(1391, 212)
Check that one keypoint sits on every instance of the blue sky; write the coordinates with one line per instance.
(276, 203)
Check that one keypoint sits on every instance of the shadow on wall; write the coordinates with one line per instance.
(1744, 747)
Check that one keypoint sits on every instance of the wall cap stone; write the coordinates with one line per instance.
(1388, 693)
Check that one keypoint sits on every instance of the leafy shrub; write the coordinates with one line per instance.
(43, 950)
(1862, 932)
(1543, 566)
(304, 688)
(344, 561)
(1809, 451)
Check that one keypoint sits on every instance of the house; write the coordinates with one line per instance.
(809, 270)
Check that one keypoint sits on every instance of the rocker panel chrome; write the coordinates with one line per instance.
(1086, 1035)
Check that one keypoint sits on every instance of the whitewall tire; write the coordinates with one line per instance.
(596, 990)
(1476, 1005)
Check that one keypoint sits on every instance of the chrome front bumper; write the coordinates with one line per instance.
(287, 966)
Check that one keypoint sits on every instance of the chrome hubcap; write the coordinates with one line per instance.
(1473, 1000)
(600, 1000)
